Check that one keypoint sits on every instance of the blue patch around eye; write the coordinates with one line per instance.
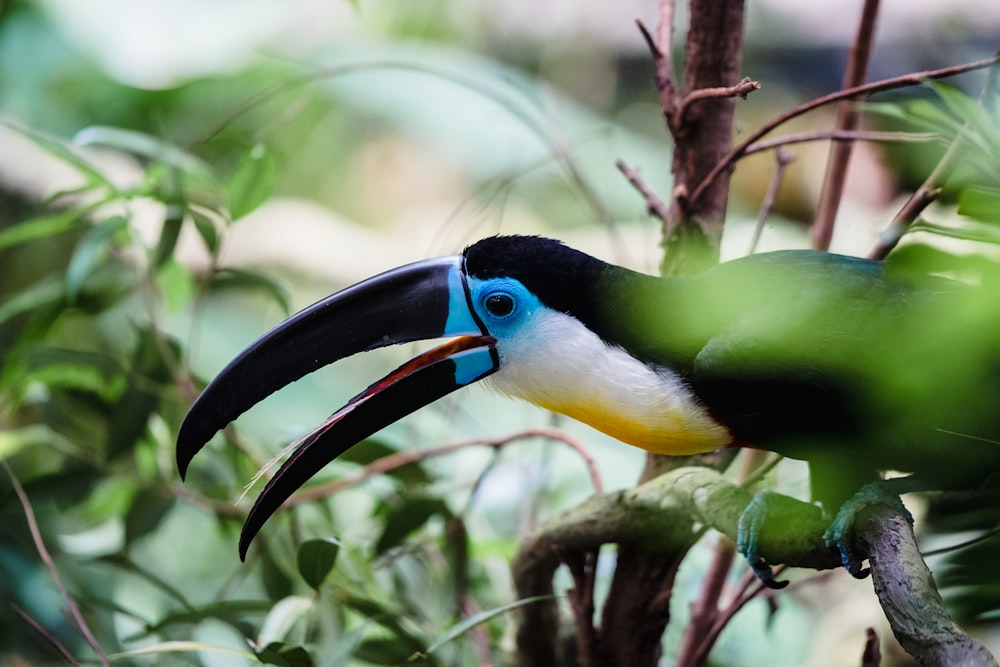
(524, 302)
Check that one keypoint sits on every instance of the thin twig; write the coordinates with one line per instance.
(847, 119)
(654, 204)
(45, 634)
(741, 90)
(783, 159)
(838, 135)
(583, 568)
(961, 545)
(665, 35)
(661, 51)
(43, 553)
(400, 459)
(665, 73)
(893, 83)
(871, 656)
(698, 639)
(647, 37)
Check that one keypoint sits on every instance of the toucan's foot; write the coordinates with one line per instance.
(768, 515)
(840, 534)
(748, 532)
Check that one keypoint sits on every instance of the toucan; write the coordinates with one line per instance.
(847, 363)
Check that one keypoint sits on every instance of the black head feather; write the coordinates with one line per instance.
(563, 279)
(569, 281)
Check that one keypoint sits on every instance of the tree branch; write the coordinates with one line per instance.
(664, 515)
(654, 204)
(847, 119)
(837, 135)
(903, 81)
(659, 515)
(741, 90)
(907, 592)
(782, 158)
(43, 553)
(408, 457)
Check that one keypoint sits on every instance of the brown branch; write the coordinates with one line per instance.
(907, 592)
(662, 514)
(713, 56)
(654, 205)
(871, 656)
(665, 38)
(43, 553)
(583, 568)
(45, 634)
(783, 158)
(400, 459)
(708, 617)
(903, 81)
(705, 612)
(659, 515)
(661, 51)
(847, 119)
(741, 90)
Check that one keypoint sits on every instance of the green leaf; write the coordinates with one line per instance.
(37, 435)
(150, 369)
(123, 561)
(234, 278)
(982, 203)
(467, 624)
(77, 370)
(347, 644)
(316, 559)
(984, 132)
(252, 182)
(111, 497)
(977, 232)
(205, 225)
(43, 293)
(283, 616)
(176, 285)
(64, 152)
(277, 653)
(176, 647)
(91, 251)
(226, 610)
(39, 228)
(169, 233)
(368, 451)
(278, 581)
(410, 516)
(145, 514)
(144, 145)
(385, 651)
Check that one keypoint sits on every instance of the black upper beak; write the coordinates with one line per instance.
(423, 300)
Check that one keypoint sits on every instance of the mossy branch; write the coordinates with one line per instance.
(665, 515)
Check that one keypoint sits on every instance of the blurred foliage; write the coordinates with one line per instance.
(98, 317)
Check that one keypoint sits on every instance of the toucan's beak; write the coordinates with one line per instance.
(427, 299)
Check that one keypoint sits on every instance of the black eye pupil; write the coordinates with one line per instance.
(500, 304)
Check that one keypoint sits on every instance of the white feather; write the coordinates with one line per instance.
(554, 361)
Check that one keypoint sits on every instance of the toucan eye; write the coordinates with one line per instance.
(499, 304)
